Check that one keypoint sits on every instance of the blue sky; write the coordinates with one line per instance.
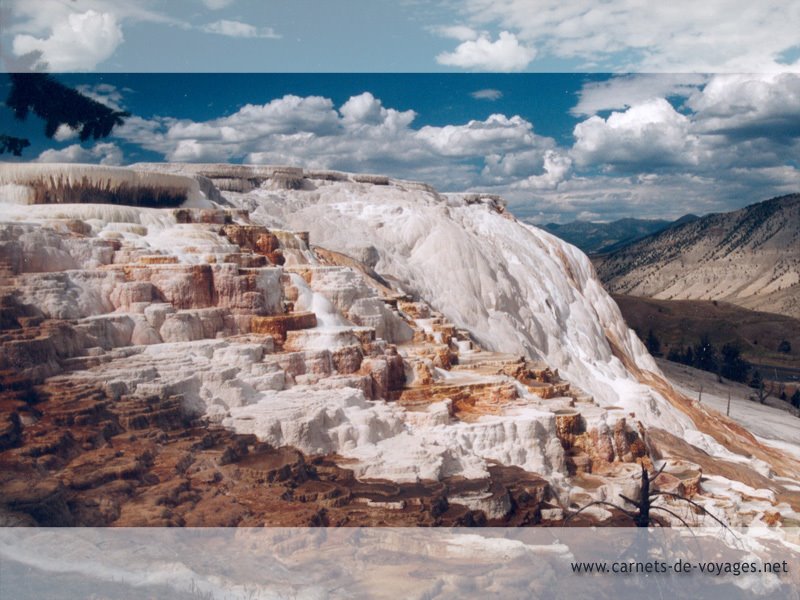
(557, 146)
(438, 99)
(670, 127)
(404, 35)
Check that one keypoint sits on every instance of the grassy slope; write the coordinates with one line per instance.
(682, 322)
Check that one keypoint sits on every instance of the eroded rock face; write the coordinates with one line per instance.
(192, 367)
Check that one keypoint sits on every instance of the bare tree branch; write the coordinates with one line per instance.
(693, 503)
(596, 503)
(666, 510)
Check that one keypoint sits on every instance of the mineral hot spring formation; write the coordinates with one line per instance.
(218, 345)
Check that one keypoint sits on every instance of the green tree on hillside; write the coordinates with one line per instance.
(756, 381)
(653, 344)
(762, 391)
(675, 355)
(705, 355)
(688, 356)
(733, 367)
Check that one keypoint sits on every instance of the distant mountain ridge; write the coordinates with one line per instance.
(594, 238)
(749, 257)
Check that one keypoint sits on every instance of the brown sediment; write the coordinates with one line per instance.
(142, 461)
(279, 325)
(724, 430)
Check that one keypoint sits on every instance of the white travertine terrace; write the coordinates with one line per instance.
(161, 307)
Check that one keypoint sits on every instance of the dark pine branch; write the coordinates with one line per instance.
(59, 105)
(12, 144)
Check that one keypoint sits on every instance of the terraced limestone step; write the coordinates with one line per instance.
(245, 260)
(135, 413)
(320, 338)
(278, 325)
(468, 399)
(208, 215)
(256, 239)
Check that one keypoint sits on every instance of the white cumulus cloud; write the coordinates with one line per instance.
(64, 133)
(624, 91)
(366, 109)
(742, 106)
(104, 93)
(104, 153)
(738, 36)
(487, 94)
(725, 142)
(217, 4)
(482, 54)
(725, 121)
(497, 133)
(461, 33)
(556, 169)
(650, 133)
(39, 17)
(361, 135)
(239, 29)
(78, 43)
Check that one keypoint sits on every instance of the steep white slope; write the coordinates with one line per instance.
(516, 288)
